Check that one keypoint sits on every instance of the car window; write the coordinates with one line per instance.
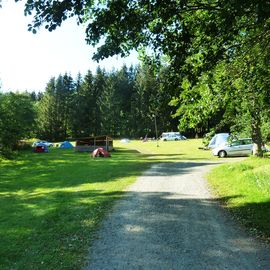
(235, 143)
(247, 141)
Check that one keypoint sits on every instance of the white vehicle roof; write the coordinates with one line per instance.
(165, 134)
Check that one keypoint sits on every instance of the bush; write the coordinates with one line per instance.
(7, 152)
(23, 145)
(207, 138)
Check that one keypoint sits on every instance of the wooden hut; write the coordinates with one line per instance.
(89, 144)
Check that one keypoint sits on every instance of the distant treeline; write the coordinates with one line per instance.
(121, 103)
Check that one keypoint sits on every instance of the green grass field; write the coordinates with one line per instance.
(244, 188)
(170, 151)
(52, 203)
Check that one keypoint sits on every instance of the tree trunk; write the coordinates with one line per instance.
(256, 135)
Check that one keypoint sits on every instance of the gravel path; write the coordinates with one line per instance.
(169, 220)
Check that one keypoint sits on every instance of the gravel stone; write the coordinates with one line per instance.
(169, 220)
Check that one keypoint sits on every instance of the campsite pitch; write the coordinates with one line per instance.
(170, 151)
(51, 205)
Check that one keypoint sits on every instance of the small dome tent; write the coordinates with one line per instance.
(100, 152)
(66, 145)
(41, 148)
(218, 140)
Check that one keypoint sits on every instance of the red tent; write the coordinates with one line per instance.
(41, 149)
(100, 152)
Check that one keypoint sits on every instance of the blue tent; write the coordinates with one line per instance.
(66, 145)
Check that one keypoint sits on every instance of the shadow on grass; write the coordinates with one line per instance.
(49, 212)
(50, 231)
(63, 169)
(50, 203)
(168, 157)
(254, 216)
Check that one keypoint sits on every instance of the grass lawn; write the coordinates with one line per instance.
(52, 203)
(170, 151)
(244, 188)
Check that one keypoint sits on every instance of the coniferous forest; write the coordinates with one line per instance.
(122, 103)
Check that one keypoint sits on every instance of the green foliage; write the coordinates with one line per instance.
(151, 99)
(235, 93)
(202, 31)
(54, 108)
(202, 41)
(118, 103)
(122, 103)
(17, 117)
(217, 53)
(207, 138)
(84, 110)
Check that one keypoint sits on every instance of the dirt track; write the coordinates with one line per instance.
(169, 220)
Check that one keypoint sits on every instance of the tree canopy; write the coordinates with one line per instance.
(17, 116)
(172, 27)
(217, 51)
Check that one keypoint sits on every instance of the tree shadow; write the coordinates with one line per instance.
(63, 169)
(34, 229)
(255, 217)
(46, 211)
(162, 230)
(165, 169)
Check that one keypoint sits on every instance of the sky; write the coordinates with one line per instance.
(28, 61)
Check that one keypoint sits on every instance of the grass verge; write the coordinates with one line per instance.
(246, 188)
(52, 203)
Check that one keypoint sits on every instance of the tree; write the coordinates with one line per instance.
(194, 35)
(150, 102)
(99, 84)
(47, 113)
(252, 75)
(168, 26)
(17, 120)
(237, 90)
(83, 107)
(64, 91)
(109, 106)
(122, 82)
(54, 109)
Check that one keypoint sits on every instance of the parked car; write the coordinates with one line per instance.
(172, 136)
(241, 147)
(38, 143)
